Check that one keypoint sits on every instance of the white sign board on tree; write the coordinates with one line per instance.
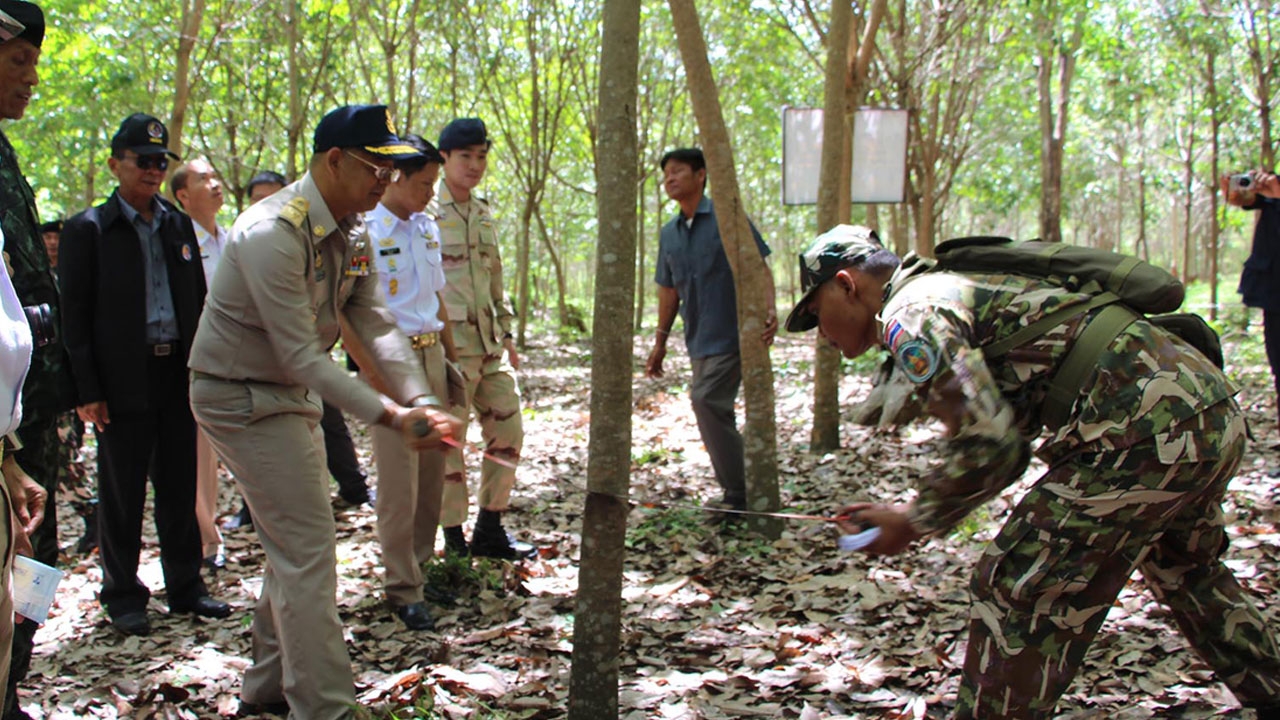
(879, 155)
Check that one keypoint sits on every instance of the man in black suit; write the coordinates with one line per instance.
(132, 291)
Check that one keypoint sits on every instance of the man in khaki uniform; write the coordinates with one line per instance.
(480, 319)
(405, 244)
(295, 271)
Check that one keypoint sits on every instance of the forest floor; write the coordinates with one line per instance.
(717, 624)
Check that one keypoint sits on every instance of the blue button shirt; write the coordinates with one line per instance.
(691, 259)
(162, 321)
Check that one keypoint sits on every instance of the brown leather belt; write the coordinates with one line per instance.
(425, 340)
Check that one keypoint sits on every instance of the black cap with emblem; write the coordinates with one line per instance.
(367, 127)
(22, 20)
(144, 135)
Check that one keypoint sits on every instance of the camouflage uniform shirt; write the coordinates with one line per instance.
(935, 325)
(47, 389)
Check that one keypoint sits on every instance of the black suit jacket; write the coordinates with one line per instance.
(104, 306)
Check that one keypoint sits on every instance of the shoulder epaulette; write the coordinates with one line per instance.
(295, 211)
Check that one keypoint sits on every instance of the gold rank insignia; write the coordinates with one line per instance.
(394, 287)
(387, 242)
(295, 211)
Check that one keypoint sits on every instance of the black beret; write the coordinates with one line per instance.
(19, 19)
(464, 132)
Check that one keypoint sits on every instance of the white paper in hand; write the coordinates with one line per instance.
(34, 585)
(851, 543)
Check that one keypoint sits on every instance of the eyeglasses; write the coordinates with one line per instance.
(380, 173)
(151, 162)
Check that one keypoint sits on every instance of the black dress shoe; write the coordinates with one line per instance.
(204, 606)
(355, 498)
(241, 519)
(216, 561)
(133, 623)
(415, 616)
(248, 709)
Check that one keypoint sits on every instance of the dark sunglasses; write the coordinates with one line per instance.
(151, 162)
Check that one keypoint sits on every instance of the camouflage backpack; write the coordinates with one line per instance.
(1123, 287)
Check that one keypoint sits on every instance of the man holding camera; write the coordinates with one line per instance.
(45, 394)
(1260, 278)
(132, 291)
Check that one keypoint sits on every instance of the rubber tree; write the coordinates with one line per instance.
(593, 683)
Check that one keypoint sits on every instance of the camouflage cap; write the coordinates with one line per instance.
(843, 246)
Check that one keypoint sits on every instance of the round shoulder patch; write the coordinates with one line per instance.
(918, 359)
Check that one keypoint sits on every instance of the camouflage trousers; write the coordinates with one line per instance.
(494, 396)
(1044, 585)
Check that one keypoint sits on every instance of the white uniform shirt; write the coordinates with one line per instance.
(15, 353)
(410, 268)
(210, 249)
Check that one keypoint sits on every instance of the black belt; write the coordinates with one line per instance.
(163, 349)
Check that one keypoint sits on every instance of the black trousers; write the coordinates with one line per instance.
(1271, 338)
(158, 443)
(340, 454)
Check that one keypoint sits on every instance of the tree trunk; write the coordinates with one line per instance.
(593, 683)
(760, 442)
(825, 435)
(845, 88)
(522, 272)
(1059, 56)
(192, 17)
(1188, 170)
(293, 128)
(1215, 226)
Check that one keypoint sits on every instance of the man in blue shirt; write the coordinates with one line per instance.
(694, 277)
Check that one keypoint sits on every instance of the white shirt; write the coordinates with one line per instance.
(210, 249)
(410, 268)
(15, 353)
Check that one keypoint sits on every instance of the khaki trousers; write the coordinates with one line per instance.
(409, 490)
(207, 495)
(269, 437)
(494, 395)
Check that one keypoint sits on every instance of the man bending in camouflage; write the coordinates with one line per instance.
(1135, 481)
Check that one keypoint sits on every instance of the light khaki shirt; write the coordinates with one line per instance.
(271, 314)
(473, 292)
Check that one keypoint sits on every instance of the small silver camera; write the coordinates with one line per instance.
(1242, 181)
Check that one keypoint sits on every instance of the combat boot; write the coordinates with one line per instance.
(455, 543)
(490, 539)
(89, 541)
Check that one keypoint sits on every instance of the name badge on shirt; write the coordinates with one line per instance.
(389, 251)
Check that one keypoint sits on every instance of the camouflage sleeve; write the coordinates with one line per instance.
(983, 452)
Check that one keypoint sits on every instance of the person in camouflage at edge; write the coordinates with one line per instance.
(45, 395)
(1136, 474)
